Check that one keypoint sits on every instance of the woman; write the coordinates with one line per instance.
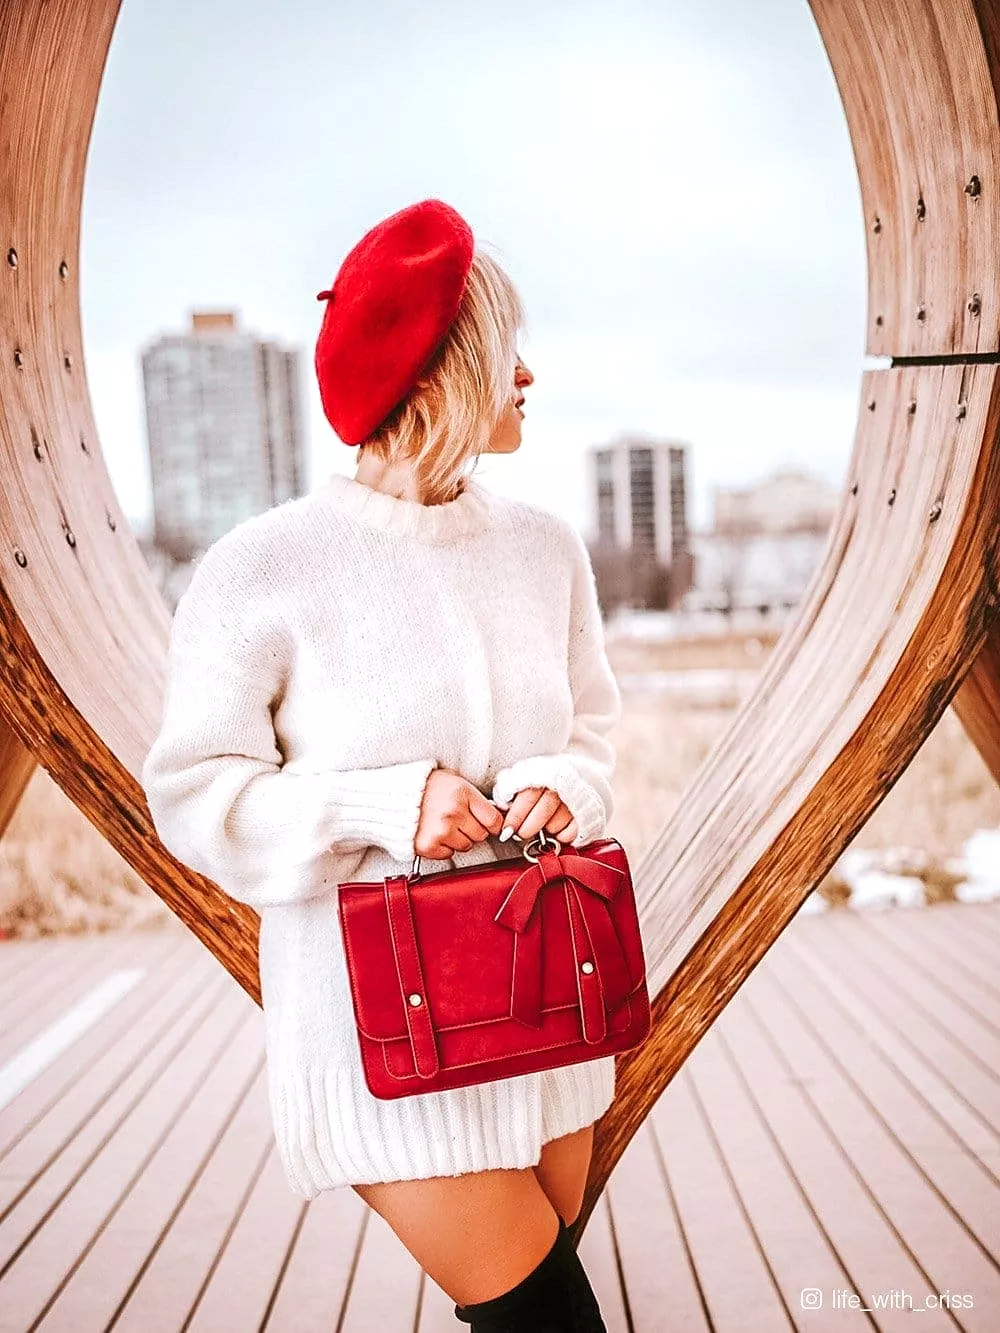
(401, 663)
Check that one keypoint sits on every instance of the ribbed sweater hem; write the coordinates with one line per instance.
(501, 1124)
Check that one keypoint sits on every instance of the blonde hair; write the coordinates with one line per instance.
(454, 407)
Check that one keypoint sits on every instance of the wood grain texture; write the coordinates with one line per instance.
(83, 630)
(977, 704)
(838, 1127)
(900, 613)
(16, 767)
(917, 81)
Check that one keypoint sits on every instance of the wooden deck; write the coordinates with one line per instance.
(838, 1131)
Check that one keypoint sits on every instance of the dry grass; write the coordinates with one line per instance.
(943, 797)
(58, 876)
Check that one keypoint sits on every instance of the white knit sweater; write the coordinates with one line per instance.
(327, 655)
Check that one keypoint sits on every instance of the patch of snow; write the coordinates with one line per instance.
(813, 905)
(982, 867)
(892, 877)
(875, 889)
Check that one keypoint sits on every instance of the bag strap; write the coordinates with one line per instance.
(426, 1060)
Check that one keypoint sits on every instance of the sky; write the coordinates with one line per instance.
(670, 185)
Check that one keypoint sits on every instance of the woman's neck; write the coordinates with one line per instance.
(397, 479)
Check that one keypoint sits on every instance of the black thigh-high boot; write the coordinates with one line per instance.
(555, 1297)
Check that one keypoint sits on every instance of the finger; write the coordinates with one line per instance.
(543, 809)
(485, 812)
(438, 851)
(457, 841)
(472, 827)
(562, 824)
(520, 806)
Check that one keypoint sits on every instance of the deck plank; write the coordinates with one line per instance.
(19, 965)
(108, 1157)
(986, 917)
(796, 1249)
(101, 1282)
(968, 963)
(959, 1001)
(943, 1032)
(243, 1283)
(940, 1243)
(739, 1290)
(837, 1129)
(889, 1031)
(55, 987)
(54, 1082)
(598, 1253)
(864, 1241)
(58, 1133)
(955, 1149)
(385, 1286)
(313, 1289)
(180, 1262)
(664, 1292)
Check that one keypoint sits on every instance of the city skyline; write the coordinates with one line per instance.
(673, 193)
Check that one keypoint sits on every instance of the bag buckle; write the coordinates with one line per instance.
(542, 838)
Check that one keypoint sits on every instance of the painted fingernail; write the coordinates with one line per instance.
(506, 832)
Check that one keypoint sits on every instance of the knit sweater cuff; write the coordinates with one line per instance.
(380, 805)
(558, 772)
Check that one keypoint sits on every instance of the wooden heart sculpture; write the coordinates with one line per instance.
(899, 620)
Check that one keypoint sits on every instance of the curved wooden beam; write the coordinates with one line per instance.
(917, 80)
(977, 704)
(905, 600)
(83, 630)
(901, 607)
(16, 767)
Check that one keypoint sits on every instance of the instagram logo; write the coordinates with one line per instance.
(811, 1298)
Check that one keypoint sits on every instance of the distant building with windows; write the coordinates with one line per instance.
(764, 544)
(642, 553)
(224, 421)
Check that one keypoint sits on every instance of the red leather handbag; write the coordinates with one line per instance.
(503, 968)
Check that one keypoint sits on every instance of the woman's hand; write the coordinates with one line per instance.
(453, 815)
(536, 808)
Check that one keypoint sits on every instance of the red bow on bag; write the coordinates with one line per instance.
(601, 985)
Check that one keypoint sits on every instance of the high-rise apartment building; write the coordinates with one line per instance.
(225, 425)
(640, 486)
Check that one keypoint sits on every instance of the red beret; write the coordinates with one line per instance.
(391, 304)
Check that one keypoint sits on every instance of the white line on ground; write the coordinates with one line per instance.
(30, 1060)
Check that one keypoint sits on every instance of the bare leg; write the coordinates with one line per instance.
(478, 1235)
(562, 1171)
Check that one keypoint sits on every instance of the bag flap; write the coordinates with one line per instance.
(467, 958)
